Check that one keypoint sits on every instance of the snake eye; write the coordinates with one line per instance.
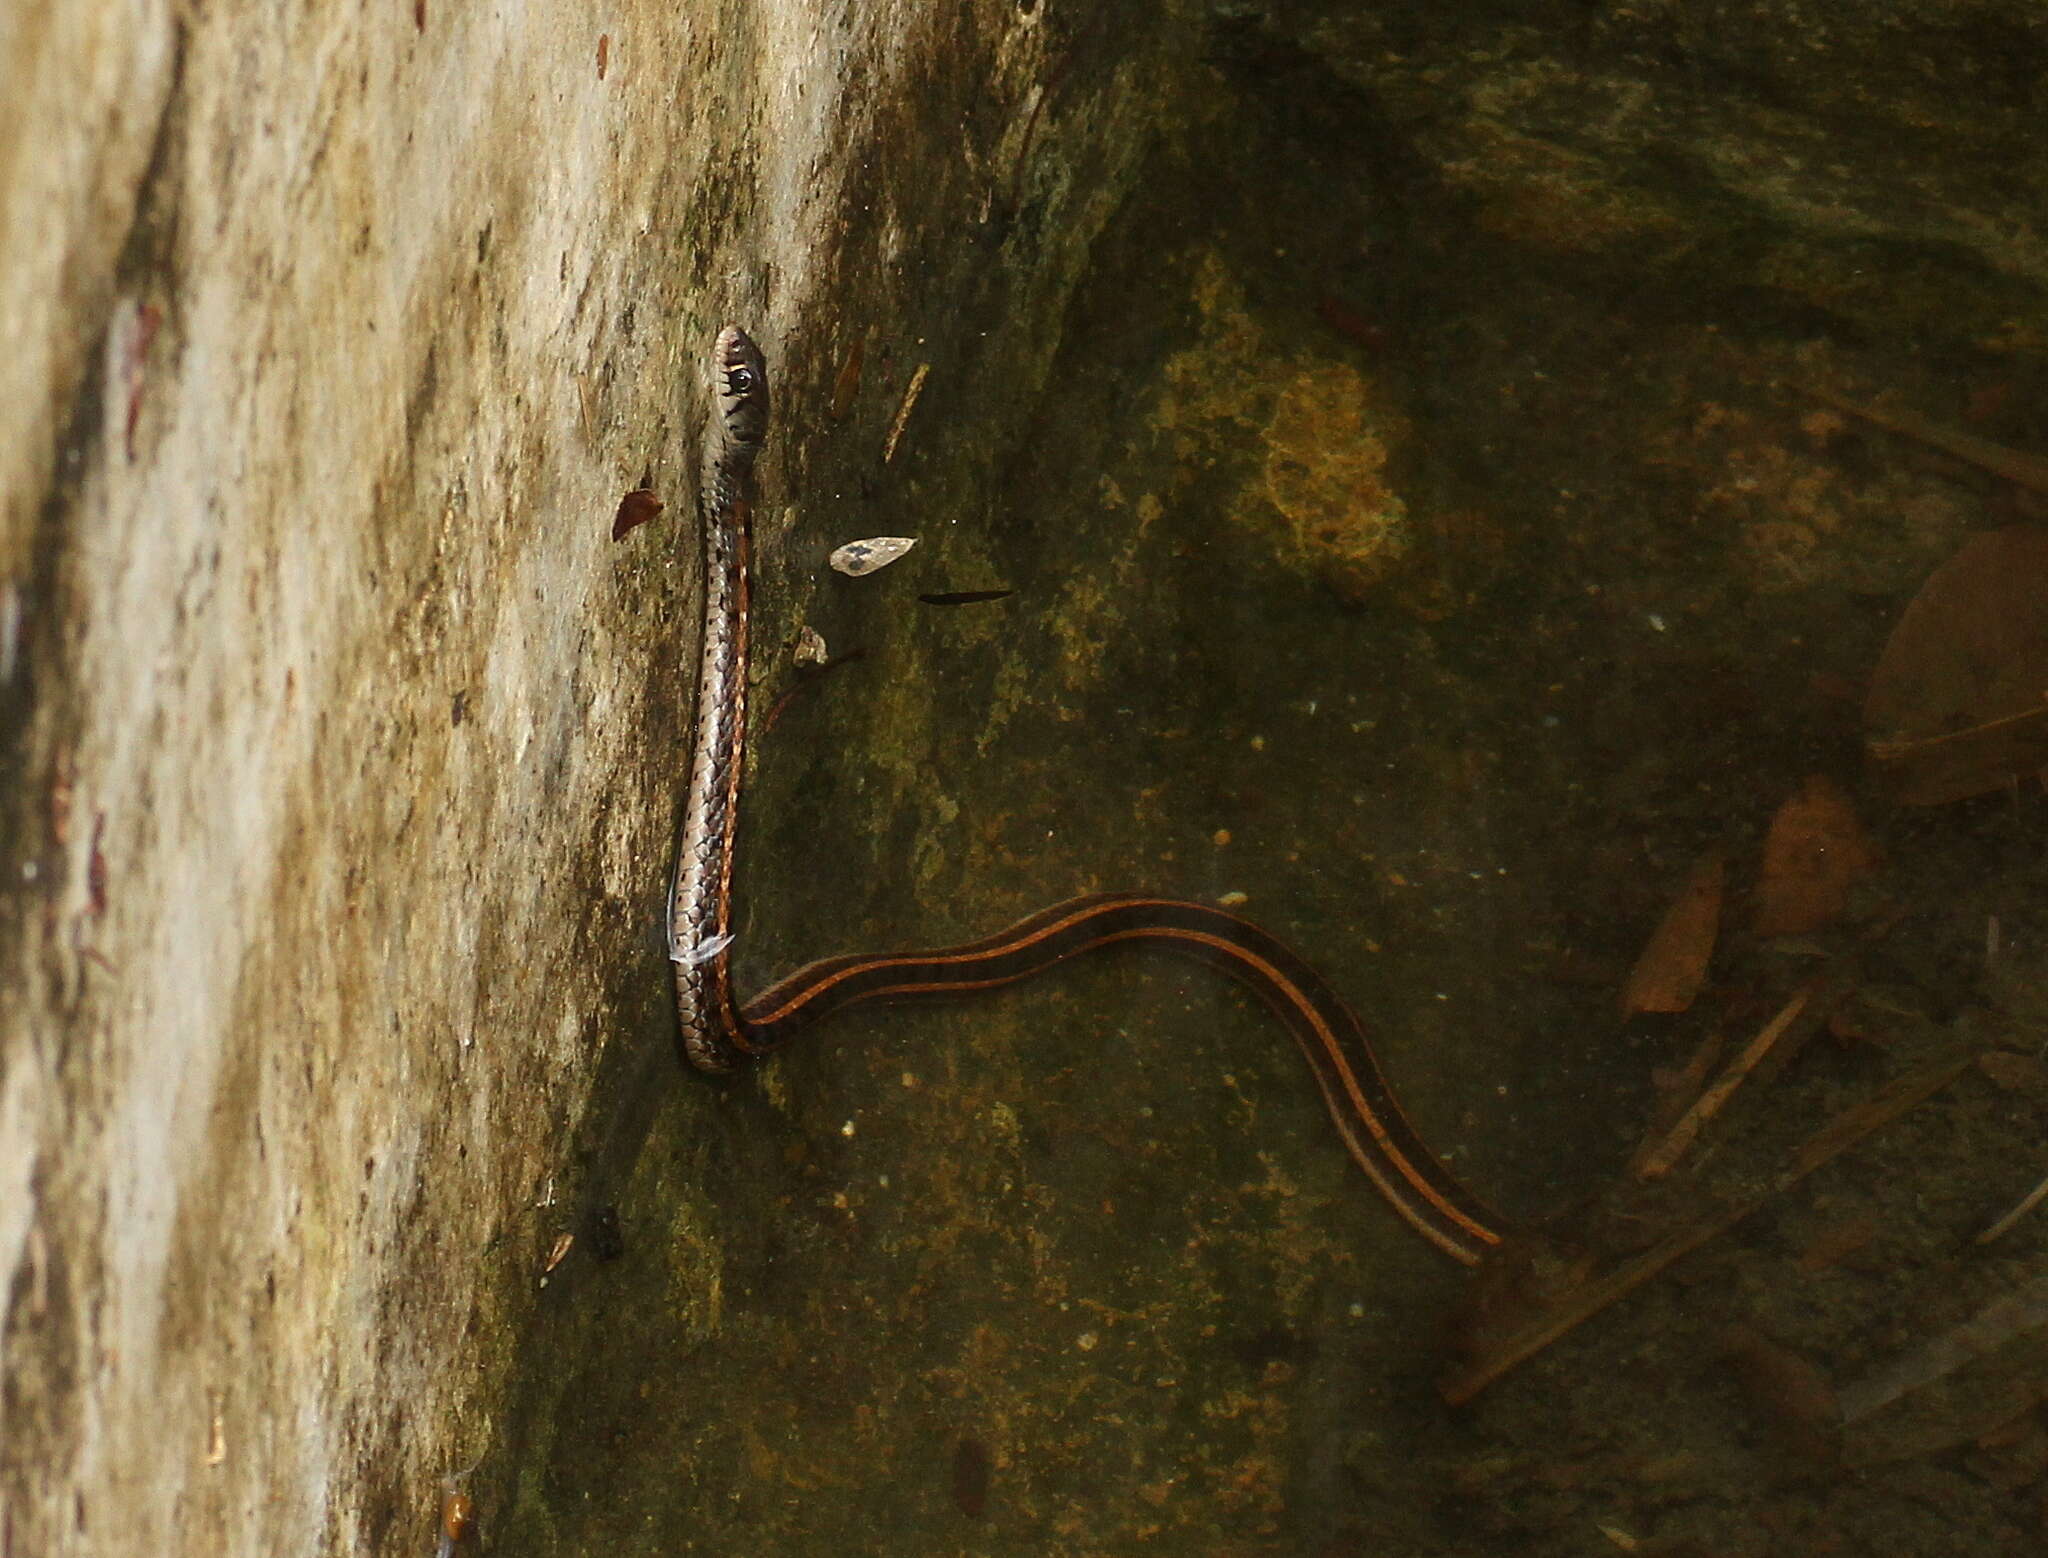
(739, 381)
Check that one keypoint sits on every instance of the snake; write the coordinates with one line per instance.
(719, 1033)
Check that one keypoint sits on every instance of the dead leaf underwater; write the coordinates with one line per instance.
(1958, 704)
(1814, 856)
(1673, 967)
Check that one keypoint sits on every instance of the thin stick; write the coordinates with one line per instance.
(1675, 1098)
(1659, 1160)
(2032, 1199)
(2015, 465)
(1826, 1144)
(1998, 1322)
(915, 389)
(1903, 747)
(807, 680)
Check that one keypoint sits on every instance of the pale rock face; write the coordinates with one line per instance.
(340, 742)
(339, 733)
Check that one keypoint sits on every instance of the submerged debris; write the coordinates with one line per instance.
(963, 597)
(2015, 465)
(1351, 323)
(1589, 1299)
(810, 673)
(458, 1513)
(846, 386)
(971, 1466)
(1677, 1092)
(2015, 1314)
(914, 389)
(557, 1253)
(703, 952)
(2004, 1225)
(810, 647)
(1659, 1159)
(636, 508)
(1956, 704)
(1815, 853)
(1791, 1395)
(858, 559)
(1673, 967)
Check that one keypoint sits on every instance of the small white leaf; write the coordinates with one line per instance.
(857, 559)
(703, 952)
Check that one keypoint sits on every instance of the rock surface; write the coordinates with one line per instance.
(1396, 400)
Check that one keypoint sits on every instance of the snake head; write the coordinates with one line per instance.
(740, 379)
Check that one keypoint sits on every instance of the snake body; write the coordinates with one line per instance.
(700, 902)
(719, 1033)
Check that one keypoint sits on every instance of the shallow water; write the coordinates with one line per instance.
(1448, 622)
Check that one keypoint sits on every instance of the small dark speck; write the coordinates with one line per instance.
(970, 1478)
(607, 1239)
(964, 597)
(1273, 1345)
(604, 54)
(419, 14)
(458, 707)
(96, 867)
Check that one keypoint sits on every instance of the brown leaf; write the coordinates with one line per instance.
(1957, 703)
(971, 1466)
(1673, 966)
(1348, 322)
(1849, 1024)
(1791, 1396)
(1828, 684)
(1814, 853)
(1836, 1242)
(636, 508)
(2014, 1072)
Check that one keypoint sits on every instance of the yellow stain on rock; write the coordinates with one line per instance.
(1320, 434)
(1326, 472)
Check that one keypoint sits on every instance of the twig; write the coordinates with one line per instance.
(2028, 1202)
(2015, 465)
(1998, 1322)
(910, 394)
(1676, 1094)
(1659, 1160)
(1826, 1144)
(804, 684)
